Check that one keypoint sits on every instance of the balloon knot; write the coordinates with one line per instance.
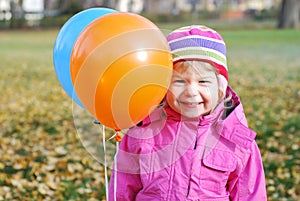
(118, 136)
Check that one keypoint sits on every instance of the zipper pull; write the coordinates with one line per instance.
(196, 141)
(188, 189)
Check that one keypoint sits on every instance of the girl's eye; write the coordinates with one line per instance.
(179, 81)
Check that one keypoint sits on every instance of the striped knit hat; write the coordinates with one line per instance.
(198, 42)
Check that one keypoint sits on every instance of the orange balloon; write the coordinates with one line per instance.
(121, 67)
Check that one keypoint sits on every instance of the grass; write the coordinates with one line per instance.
(41, 157)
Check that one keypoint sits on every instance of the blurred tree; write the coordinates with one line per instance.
(17, 14)
(289, 14)
(130, 5)
(194, 8)
(145, 6)
(193, 5)
(106, 3)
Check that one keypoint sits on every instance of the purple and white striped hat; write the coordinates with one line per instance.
(198, 42)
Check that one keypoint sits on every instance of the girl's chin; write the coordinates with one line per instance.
(194, 114)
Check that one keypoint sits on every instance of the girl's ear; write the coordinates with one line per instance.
(221, 94)
(222, 82)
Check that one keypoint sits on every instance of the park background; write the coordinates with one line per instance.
(41, 154)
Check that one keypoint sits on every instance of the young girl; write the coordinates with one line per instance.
(197, 145)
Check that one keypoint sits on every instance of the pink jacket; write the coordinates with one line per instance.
(205, 159)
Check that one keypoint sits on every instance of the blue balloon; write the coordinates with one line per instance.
(65, 41)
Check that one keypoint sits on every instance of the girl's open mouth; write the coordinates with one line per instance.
(190, 104)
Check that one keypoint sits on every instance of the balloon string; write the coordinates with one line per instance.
(105, 158)
(105, 161)
(118, 139)
(116, 171)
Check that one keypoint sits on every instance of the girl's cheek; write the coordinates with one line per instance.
(205, 91)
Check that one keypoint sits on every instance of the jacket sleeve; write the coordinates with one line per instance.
(249, 184)
(126, 178)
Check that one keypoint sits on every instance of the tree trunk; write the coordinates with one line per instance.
(193, 6)
(130, 5)
(106, 3)
(17, 14)
(289, 14)
(145, 6)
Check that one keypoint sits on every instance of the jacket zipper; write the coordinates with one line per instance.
(189, 186)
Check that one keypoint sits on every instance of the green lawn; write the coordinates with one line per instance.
(42, 158)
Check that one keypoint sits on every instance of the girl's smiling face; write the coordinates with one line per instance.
(194, 89)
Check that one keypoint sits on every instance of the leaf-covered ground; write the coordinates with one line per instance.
(265, 71)
(42, 157)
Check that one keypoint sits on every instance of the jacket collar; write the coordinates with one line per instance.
(234, 125)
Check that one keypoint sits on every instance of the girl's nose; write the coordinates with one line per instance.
(191, 90)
